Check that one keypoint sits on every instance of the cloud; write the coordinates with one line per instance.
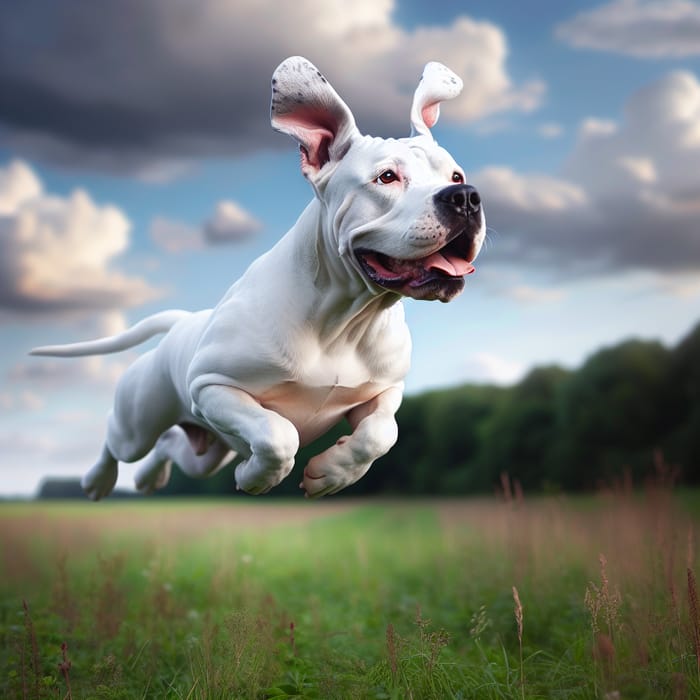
(55, 253)
(229, 223)
(14, 402)
(532, 192)
(627, 197)
(47, 376)
(143, 87)
(18, 185)
(34, 447)
(639, 28)
(528, 294)
(175, 236)
(684, 286)
(550, 130)
(53, 374)
(45, 451)
(487, 367)
(593, 126)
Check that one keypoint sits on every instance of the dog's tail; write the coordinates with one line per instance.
(152, 325)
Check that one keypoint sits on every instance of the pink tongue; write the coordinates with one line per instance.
(451, 264)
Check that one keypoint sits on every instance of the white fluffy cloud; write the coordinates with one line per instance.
(194, 80)
(229, 223)
(628, 196)
(18, 185)
(534, 192)
(640, 28)
(56, 253)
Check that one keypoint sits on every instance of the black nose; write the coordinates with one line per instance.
(464, 199)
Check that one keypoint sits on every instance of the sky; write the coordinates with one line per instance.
(139, 172)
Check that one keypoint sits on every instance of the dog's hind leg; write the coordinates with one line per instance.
(100, 480)
(174, 446)
(153, 474)
(143, 408)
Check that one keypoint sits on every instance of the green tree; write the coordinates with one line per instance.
(615, 410)
(521, 437)
(554, 427)
(683, 446)
(440, 438)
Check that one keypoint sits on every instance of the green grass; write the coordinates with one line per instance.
(252, 598)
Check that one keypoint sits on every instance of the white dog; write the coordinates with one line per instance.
(314, 330)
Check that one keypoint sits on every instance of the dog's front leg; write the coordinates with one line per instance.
(266, 441)
(374, 433)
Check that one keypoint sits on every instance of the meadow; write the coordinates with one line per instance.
(503, 597)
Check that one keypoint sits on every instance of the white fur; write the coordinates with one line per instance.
(304, 337)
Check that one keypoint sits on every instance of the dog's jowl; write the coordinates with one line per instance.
(314, 330)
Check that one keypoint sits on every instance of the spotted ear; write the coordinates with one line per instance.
(306, 107)
(438, 83)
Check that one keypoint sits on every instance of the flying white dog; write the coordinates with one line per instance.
(314, 330)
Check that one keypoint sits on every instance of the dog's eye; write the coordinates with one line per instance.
(457, 178)
(387, 177)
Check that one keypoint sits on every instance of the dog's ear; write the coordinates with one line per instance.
(438, 83)
(306, 107)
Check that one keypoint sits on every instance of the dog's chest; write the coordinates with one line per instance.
(324, 386)
(315, 409)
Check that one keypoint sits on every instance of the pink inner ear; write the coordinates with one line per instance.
(314, 147)
(430, 114)
(314, 129)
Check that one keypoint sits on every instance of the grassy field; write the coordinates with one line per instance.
(248, 598)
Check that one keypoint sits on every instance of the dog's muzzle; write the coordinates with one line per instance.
(460, 200)
(440, 275)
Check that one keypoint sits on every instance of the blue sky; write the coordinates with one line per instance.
(138, 172)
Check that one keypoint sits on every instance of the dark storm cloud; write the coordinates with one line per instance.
(87, 77)
(123, 84)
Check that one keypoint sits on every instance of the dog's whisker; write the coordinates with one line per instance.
(489, 236)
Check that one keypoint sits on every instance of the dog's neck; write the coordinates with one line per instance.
(343, 304)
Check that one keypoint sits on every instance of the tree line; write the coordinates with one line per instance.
(556, 429)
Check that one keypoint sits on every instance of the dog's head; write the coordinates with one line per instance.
(400, 211)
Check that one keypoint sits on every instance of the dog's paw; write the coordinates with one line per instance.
(100, 480)
(316, 486)
(147, 480)
(331, 471)
(256, 481)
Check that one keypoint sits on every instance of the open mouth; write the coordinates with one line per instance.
(435, 276)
